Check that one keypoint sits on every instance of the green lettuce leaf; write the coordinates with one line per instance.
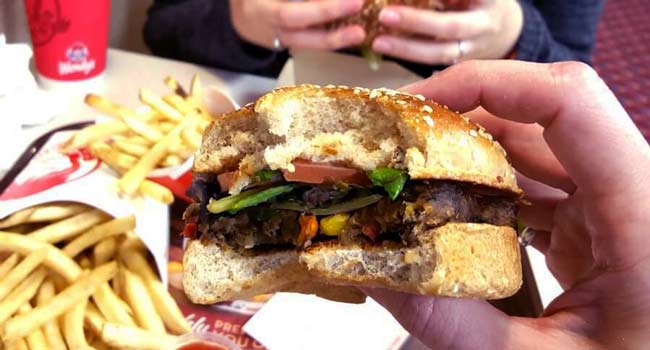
(392, 180)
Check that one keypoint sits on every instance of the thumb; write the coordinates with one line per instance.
(443, 323)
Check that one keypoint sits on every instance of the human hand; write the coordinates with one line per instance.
(586, 169)
(489, 29)
(262, 21)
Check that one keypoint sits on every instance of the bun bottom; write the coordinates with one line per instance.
(455, 260)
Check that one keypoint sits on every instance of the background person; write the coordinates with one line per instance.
(239, 35)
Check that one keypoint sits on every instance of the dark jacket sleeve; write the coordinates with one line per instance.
(558, 30)
(201, 31)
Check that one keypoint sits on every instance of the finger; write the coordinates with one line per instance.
(543, 202)
(584, 125)
(541, 241)
(446, 323)
(323, 39)
(418, 50)
(300, 15)
(527, 149)
(441, 25)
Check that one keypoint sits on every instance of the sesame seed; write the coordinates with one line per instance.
(375, 94)
(356, 91)
(473, 133)
(401, 102)
(427, 109)
(343, 87)
(428, 120)
(419, 97)
(330, 86)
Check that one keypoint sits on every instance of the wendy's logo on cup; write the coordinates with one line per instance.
(46, 21)
(77, 52)
(76, 60)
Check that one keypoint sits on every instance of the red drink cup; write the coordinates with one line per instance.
(69, 38)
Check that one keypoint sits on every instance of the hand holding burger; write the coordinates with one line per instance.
(487, 29)
(277, 24)
(585, 170)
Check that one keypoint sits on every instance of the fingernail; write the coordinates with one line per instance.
(388, 16)
(381, 45)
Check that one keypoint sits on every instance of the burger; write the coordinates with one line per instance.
(368, 18)
(323, 190)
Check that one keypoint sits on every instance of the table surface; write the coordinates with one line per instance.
(127, 72)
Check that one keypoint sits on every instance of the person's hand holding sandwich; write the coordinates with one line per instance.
(279, 24)
(424, 31)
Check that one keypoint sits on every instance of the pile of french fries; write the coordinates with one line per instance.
(75, 278)
(164, 132)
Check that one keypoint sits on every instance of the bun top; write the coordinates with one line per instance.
(368, 17)
(356, 127)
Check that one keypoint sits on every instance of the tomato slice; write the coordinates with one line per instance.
(190, 230)
(226, 180)
(309, 173)
(318, 173)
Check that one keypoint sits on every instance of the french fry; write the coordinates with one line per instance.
(195, 99)
(117, 284)
(143, 129)
(156, 191)
(124, 337)
(21, 271)
(133, 149)
(56, 260)
(110, 306)
(98, 344)
(166, 127)
(139, 140)
(133, 242)
(196, 89)
(143, 309)
(18, 344)
(96, 132)
(35, 339)
(191, 137)
(51, 328)
(147, 187)
(179, 103)
(164, 303)
(111, 108)
(82, 288)
(8, 264)
(147, 97)
(93, 319)
(104, 250)
(175, 86)
(70, 227)
(41, 213)
(171, 160)
(117, 160)
(22, 294)
(73, 326)
(98, 233)
(84, 262)
(127, 116)
(132, 179)
(177, 146)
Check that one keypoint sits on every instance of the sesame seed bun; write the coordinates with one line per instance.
(359, 127)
